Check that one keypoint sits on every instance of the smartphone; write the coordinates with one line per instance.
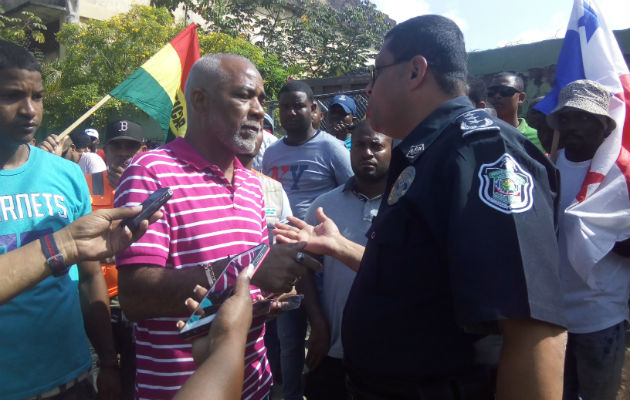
(287, 303)
(149, 207)
(200, 320)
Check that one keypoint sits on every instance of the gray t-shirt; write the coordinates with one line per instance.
(353, 213)
(309, 169)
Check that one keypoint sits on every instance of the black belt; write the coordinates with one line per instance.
(465, 387)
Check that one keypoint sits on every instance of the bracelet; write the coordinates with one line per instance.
(54, 258)
(209, 274)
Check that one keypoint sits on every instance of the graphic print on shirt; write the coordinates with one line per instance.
(10, 242)
(14, 207)
(296, 170)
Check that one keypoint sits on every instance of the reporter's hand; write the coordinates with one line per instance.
(232, 321)
(99, 235)
(280, 270)
(321, 239)
(53, 145)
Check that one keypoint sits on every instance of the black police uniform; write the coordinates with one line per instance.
(465, 237)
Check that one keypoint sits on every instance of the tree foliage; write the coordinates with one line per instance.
(309, 34)
(99, 55)
(26, 29)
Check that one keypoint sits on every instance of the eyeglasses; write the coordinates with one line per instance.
(374, 69)
(503, 91)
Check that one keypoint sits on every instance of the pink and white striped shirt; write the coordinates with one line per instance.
(208, 218)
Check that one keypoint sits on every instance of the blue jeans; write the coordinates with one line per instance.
(593, 362)
(291, 333)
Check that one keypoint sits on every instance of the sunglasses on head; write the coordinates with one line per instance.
(503, 91)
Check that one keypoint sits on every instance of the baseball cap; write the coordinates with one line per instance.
(125, 129)
(91, 132)
(80, 140)
(347, 103)
(268, 121)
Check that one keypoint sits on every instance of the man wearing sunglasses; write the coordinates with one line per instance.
(506, 93)
(463, 245)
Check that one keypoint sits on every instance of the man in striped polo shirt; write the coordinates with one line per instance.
(217, 210)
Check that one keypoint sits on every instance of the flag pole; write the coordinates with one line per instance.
(82, 118)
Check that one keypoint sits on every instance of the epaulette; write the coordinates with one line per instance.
(476, 120)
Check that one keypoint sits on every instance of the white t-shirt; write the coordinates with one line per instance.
(587, 309)
(91, 163)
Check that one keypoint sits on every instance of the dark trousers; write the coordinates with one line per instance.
(273, 350)
(327, 381)
(122, 331)
(477, 386)
(593, 363)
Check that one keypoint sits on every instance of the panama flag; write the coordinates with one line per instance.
(600, 214)
(157, 87)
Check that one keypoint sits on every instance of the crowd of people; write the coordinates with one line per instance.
(430, 240)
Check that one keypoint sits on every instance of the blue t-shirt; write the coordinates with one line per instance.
(42, 340)
(308, 170)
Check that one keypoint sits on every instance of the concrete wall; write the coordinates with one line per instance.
(535, 61)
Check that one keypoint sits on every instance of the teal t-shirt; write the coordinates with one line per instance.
(42, 339)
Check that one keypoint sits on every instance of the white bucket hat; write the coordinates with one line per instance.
(583, 95)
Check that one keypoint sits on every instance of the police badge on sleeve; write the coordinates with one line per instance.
(506, 186)
(402, 185)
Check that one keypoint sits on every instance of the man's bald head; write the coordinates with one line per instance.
(208, 72)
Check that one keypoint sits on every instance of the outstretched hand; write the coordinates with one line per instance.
(99, 235)
(321, 239)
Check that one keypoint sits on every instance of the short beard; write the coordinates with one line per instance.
(244, 145)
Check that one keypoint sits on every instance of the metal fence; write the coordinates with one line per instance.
(359, 97)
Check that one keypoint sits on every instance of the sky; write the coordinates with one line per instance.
(488, 24)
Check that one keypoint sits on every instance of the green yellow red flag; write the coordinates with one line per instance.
(157, 87)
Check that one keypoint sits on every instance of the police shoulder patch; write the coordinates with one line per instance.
(506, 186)
(476, 120)
(402, 185)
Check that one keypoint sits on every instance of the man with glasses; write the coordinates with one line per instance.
(506, 93)
(464, 243)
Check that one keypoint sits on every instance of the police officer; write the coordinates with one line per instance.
(464, 243)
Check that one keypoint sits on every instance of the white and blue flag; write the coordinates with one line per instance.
(600, 214)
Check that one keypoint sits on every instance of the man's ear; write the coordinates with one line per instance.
(419, 66)
(521, 97)
(198, 100)
(313, 107)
